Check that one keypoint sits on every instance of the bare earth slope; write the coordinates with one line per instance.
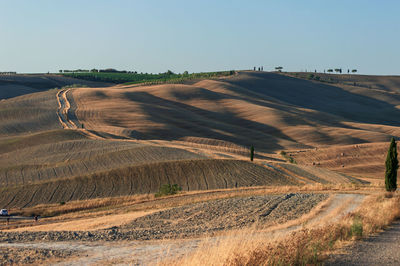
(21, 84)
(29, 113)
(270, 111)
(360, 160)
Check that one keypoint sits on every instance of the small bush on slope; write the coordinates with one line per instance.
(168, 189)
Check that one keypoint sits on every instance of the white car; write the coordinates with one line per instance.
(3, 212)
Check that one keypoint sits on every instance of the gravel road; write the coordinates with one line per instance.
(382, 249)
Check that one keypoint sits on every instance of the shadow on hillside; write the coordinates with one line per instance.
(320, 97)
(182, 120)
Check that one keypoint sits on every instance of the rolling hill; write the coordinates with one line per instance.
(271, 111)
(136, 138)
(21, 84)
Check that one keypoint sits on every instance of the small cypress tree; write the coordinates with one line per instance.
(392, 164)
(251, 153)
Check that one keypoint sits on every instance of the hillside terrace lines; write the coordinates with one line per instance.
(69, 158)
(29, 114)
(192, 175)
(366, 160)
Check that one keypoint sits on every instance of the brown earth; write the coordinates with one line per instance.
(359, 160)
(21, 84)
(270, 111)
(34, 255)
(27, 114)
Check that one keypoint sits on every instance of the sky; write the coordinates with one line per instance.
(156, 36)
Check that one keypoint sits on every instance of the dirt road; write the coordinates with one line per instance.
(382, 249)
(63, 108)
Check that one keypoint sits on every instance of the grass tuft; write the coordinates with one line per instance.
(288, 157)
(168, 189)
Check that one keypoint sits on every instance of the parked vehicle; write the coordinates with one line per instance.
(3, 212)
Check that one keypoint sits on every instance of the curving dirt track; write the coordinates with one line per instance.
(63, 109)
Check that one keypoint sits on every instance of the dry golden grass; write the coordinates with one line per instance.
(303, 247)
(91, 205)
(85, 224)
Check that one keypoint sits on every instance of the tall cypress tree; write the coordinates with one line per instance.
(251, 153)
(392, 164)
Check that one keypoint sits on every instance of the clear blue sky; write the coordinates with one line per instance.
(153, 36)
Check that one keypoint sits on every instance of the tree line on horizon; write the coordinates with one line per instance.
(330, 70)
(133, 77)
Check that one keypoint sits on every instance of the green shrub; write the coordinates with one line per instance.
(356, 229)
(310, 76)
(288, 157)
(168, 189)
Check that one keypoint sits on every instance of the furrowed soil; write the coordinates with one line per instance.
(192, 175)
(193, 219)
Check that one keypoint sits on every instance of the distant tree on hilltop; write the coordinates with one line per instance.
(354, 70)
